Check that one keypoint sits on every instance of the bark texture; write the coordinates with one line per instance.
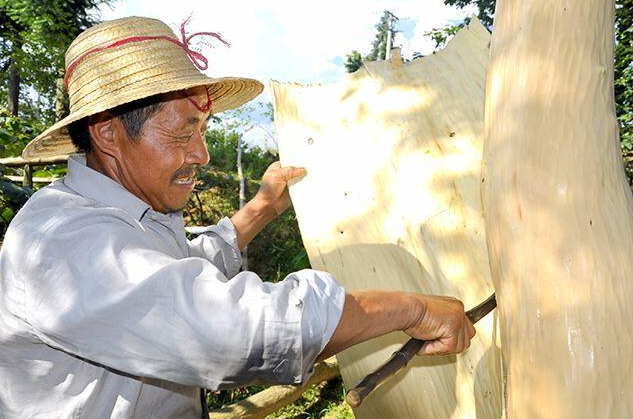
(392, 200)
(558, 211)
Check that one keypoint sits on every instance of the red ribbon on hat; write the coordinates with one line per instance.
(196, 57)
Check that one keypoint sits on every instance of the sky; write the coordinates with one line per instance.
(294, 41)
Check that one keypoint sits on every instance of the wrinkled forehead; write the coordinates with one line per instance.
(198, 94)
(188, 103)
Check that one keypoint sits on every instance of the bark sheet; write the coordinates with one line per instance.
(392, 200)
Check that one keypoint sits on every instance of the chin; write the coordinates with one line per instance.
(177, 205)
(174, 210)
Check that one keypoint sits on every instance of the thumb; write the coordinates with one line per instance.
(289, 173)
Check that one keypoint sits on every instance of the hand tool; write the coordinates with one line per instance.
(401, 358)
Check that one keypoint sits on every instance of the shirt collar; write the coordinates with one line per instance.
(97, 186)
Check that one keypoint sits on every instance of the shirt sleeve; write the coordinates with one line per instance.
(218, 244)
(99, 290)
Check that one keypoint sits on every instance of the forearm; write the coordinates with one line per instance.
(250, 220)
(369, 314)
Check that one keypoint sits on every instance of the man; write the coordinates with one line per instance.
(108, 310)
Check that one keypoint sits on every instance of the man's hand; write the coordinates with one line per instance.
(270, 201)
(444, 324)
(273, 192)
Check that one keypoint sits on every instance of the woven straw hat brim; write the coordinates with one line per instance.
(226, 93)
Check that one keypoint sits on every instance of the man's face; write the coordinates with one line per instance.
(160, 165)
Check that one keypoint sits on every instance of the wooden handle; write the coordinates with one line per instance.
(401, 358)
(398, 361)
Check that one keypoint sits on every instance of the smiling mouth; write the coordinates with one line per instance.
(185, 181)
(185, 176)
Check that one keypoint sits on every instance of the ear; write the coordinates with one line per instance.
(107, 134)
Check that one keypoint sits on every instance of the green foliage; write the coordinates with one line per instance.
(319, 401)
(35, 35)
(16, 132)
(486, 9)
(12, 197)
(220, 398)
(379, 46)
(624, 71)
(353, 61)
(278, 249)
(441, 35)
(378, 51)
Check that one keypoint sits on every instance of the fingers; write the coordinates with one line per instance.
(471, 330)
(447, 346)
(284, 174)
(289, 173)
(445, 325)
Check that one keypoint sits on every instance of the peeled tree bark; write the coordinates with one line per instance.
(392, 200)
(558, 211)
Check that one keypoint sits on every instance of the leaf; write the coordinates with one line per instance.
(5, 135)
(13, 193)
(7, 214)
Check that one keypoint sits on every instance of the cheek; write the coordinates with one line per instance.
(163, 163)
(169, 168)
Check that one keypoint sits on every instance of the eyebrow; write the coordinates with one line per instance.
(193, 120)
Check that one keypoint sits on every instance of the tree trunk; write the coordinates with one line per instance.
(558, 211)
(389, 36)
(13, 87)
(240, 175)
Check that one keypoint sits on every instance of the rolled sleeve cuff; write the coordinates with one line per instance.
(231, 255)
(319, 300)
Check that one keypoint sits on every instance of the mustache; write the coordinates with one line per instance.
(185, 171)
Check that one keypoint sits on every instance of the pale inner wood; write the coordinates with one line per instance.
(392, 201)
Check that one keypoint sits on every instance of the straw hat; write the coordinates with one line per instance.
(123, 60)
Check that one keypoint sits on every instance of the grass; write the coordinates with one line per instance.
(320, 401)
(324, 400)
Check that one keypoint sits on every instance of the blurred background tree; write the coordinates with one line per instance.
(34, 36)
(354, 60)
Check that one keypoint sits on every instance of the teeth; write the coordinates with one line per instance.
(184, 181)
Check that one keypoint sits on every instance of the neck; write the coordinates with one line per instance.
(103, 164)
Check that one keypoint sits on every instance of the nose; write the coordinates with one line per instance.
(197, 152)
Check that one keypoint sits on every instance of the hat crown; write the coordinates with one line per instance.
(122, 55)
(115, 30)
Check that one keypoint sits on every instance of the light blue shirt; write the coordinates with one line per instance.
(108, 311)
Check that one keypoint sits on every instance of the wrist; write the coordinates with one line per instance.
(399, 310)
(262, 208)
(416, 309)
